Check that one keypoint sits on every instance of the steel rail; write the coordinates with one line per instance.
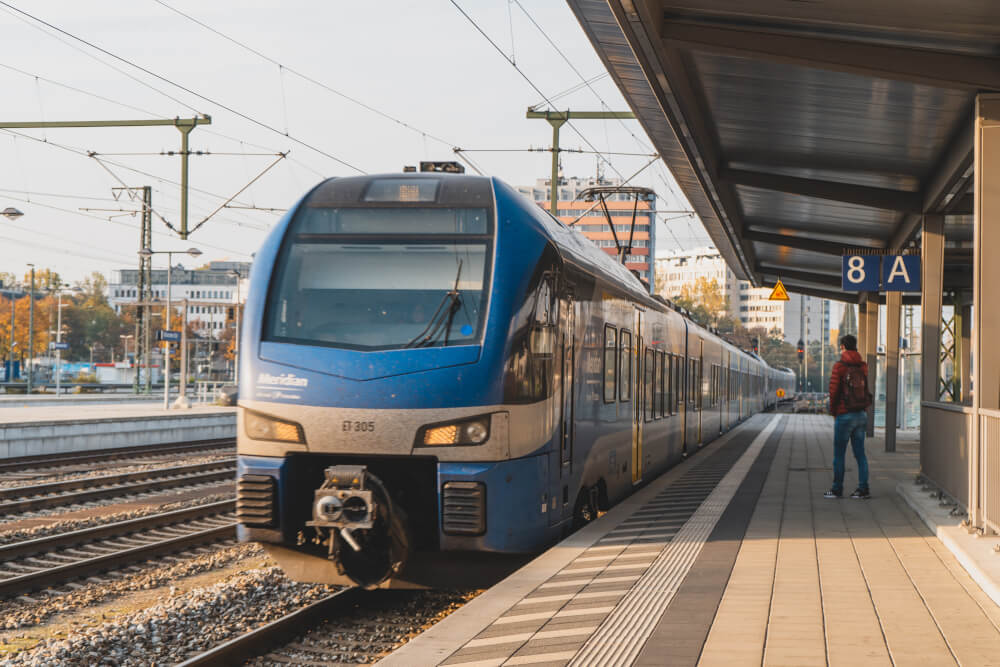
(43, 545)
(48, 577)
(119, 485)
(137, 451)
(115, 478)
(275, 633)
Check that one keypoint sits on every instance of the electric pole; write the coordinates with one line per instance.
(557, 119)
(184, 125)
(144, 290)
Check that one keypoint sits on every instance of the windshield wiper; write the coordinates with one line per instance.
(442, 318)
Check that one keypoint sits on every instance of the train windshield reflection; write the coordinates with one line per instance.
(379, 291)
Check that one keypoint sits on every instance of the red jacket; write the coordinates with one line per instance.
(836, 377)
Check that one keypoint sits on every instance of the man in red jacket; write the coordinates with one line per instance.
(849, 400)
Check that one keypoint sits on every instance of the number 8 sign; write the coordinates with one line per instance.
(860, 273)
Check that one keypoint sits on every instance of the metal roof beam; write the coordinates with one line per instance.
(827, 51)
(881, 198)
(949, 177)
(817, 279)
(802, 243)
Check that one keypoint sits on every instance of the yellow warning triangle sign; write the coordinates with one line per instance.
(779, 293)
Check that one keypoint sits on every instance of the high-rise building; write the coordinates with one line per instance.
(594, 223)
(749, 305)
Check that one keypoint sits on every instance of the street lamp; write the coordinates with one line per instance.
(236, 335)
(11, 213)
(147, 253)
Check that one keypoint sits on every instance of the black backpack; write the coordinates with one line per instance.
(854, 388)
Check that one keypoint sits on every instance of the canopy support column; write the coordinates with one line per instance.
(964, 331)
(868, 345)
(984, 487)
(893, 302)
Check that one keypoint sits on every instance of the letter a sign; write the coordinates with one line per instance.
(901, 273)
(778, 293)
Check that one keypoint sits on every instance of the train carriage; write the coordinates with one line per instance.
(437, 375)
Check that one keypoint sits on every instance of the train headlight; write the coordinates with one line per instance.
(264, 427)
(466, 432)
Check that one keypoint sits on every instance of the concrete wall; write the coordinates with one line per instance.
(76, 435)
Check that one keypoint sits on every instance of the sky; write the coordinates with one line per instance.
(392, 83)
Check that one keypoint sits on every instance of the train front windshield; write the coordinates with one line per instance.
(383, 277)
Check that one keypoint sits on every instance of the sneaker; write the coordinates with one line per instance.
(832, 494)
(861, 493)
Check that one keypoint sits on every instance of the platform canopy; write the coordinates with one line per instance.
(799, 130)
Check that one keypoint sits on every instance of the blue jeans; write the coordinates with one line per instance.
(849, 426)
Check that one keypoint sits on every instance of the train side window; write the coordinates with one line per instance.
(674, 385)
(625, 361)
(677, 382)
(649, 376)
(610, 362)
(700, 398)
(691, 376)
(715, 384)
(662, 395)
(670, 383)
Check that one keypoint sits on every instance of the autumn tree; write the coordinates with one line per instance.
(704, 299)
(45, 279)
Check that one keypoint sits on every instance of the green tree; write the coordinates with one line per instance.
(93, 290)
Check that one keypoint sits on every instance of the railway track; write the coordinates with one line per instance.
(137, 453)
(49, 561)
(69, 492)
(350, 626)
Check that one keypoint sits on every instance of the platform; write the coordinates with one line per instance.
(735, 558)
(50, 429)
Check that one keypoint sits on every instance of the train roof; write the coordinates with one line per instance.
(473, 190)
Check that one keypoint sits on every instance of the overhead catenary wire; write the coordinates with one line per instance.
(572, 89)
(152, 114)
(587, 83)
(123, 224)
(22, 242)
(285, 68)
(549, 150)
(531, 83)
(618, 187)
(186, 89)
(238, 192)
(84, 153)
(17, 14)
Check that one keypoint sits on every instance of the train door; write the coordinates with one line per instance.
(560, 462)
(567, 318)
(742, 390)
(692, 422)
(726, 375)
(637, 398)
(699, 385)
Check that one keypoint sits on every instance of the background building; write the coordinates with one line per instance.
(594, 224)
(214, 284)
(747, 304)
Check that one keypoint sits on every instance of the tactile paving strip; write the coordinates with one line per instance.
(603, 605)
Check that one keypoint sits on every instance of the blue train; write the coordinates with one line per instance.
(437, 374)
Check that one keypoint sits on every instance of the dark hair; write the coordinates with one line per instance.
(849, 342)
